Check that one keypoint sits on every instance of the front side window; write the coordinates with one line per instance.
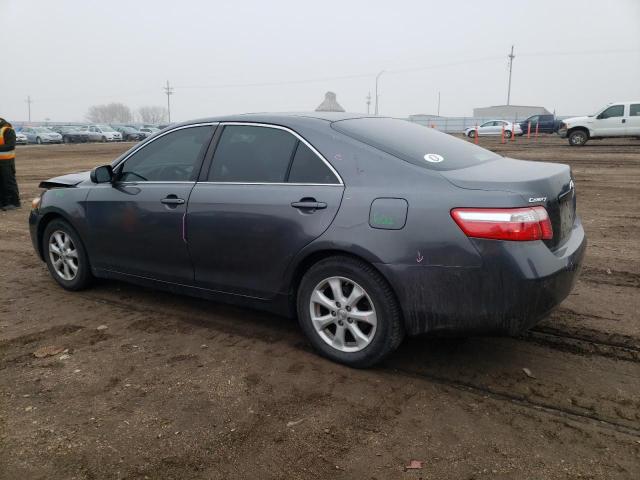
(174, 157)
(635, 110)
(613, 111)
(252, 154)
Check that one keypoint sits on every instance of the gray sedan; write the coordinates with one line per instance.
(364, 228)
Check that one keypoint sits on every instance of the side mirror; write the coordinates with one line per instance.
(102, 174)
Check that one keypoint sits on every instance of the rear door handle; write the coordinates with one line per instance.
(309, 205)
(624, 120)
(172, 200)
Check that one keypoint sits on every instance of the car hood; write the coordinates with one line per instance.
(572, 120)
(65, 181)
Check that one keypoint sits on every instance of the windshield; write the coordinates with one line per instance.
(43, 130)
(414, 143)
(105, 128)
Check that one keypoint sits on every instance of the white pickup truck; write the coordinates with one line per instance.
(620, 119)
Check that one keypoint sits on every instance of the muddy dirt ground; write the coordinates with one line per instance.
(181, 388)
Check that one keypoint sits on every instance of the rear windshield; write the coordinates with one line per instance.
(414, 143)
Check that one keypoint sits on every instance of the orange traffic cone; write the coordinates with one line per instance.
(475, 137)
(502, 134)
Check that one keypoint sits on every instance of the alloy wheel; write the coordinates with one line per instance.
(63, 255)
(343, 314)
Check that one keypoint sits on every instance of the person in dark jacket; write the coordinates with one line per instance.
(9, 195)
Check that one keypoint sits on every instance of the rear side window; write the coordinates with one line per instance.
(635, 110)
(414, 143)
(613, 111)
(307, 167)
(251, 154)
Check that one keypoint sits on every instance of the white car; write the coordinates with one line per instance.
(620, 119)
(21, 139)
(102, 133)
(494, 127)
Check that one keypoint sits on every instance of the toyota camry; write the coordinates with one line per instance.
(366, 229)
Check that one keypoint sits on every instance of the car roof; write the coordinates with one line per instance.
(283, 118)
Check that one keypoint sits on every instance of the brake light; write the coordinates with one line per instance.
(518, 224)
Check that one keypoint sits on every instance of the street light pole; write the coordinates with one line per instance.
(377, 78)
(169, 91)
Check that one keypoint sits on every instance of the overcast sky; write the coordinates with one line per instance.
(71, 54)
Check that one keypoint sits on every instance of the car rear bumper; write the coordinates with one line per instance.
(518, 284)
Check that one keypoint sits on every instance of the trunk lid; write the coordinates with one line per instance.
(538, 183)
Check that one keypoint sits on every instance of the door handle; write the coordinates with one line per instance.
(172, 200)
(624, 120)
(309, 205)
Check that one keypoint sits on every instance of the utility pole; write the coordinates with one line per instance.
(377, 78)
(438, 103)
(28, 101)
(511, 56)
(368, 102)
(168, 90)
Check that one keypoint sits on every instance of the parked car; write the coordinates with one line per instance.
(149, 130)
(620, 119)
(544, 124)
(494, 127)
(129, 133)
(72, 134)
(365, 228)
(21, 138)
(102, 133)
(41, 135)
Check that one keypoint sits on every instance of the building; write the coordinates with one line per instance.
(509, 112)
(329, 104)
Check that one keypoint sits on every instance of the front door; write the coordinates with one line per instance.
(611, 122)
(266, 196)
(137, 223)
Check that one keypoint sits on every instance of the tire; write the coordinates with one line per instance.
(104, 139)
(38, 140)
(578, 138)
(472, 134)
(66, 140)
(507, 134)
(56, 233)
(376, 341)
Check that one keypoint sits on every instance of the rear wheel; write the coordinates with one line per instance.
(577, 138)
(471, 134)
(507, 134)
(65, 255)
(38, 140)
(349, 312)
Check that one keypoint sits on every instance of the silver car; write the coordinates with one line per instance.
(102, 133)
(41, 135)
(494, 127)
(21, 138)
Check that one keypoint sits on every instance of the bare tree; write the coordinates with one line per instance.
(110, 113)
(152, 114)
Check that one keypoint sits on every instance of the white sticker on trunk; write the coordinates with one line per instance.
(433, 158)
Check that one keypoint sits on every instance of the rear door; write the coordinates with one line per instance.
(137, 223)
(266, 195)
(633, 123)
(611, 122)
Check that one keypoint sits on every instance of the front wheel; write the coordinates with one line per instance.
(577, 138)
(471, 134)
(104, 139)
(38, 140)
(65, 255)
(349, 312)
(507, 134)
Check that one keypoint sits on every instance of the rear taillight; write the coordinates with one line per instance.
(519, 224)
